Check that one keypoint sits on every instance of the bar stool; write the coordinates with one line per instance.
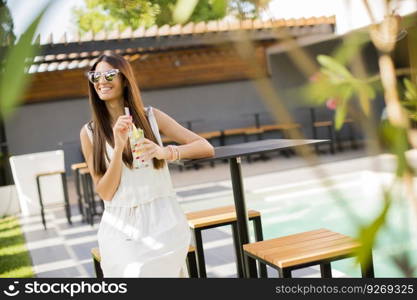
(317, 247)
(65, 190)
(88, 197)
(315, 125)
(221, 216)
(76, 168)
(191, 262)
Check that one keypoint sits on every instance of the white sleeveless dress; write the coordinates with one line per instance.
(143, 231)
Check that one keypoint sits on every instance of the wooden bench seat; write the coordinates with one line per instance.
(78, 166)
(191, 262)
(215, 216)
(283, 126)
(323, 123)
(95, 253)
(84, 171)
(222, 216)
(254, 131)
(237, 131)
(210, 134)
(304, 249)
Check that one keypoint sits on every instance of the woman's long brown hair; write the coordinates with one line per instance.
(101, 121)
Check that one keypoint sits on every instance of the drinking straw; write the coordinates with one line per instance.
(127, 113)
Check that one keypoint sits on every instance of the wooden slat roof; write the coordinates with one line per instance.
(77, 52)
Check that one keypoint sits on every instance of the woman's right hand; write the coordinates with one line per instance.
(121, 130)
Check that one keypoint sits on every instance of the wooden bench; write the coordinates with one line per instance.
(253, 131)
(191, 262)
(280, 127)
(317, 247)
(315, 125)
(216, 217)
(237, 131)
(332, 135)
(210, 135)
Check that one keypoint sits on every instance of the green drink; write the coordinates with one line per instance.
(136, 137)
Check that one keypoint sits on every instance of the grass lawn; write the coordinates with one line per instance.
(14, 256)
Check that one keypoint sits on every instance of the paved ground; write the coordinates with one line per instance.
(64, 250)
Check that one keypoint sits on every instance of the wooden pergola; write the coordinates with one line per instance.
(168, 56)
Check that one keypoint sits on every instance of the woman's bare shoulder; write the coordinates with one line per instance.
(86, 131)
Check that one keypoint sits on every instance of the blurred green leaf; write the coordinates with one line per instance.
(219, 6)
(367, 234)
(352, 44)
(395, 139)
(409, 101)
(411, 89)
(108, 15)
(333, 67)
(340, 116)
(365, 94)
(341, 110)
(7, 36)
(13, 76)
(183, 10)
(336, 81)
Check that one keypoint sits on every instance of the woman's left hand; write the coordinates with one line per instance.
(149, 150)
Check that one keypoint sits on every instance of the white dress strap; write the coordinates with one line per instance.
(89, 132)
(154, 124)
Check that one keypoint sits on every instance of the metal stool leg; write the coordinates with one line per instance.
(250, 264)
(326, 270)
(314, 129)
(284, 273)
(88, 213)
(353, 144)
(91, 195)
(77, 189)
(248, 157)
(67, 205)
(192, 265)
(331, 136)
(339, 141)
(236, 243)
(41, 202)
(97, 269)
(200, 253)
(257, 223)
(368, 269)
(316, 146)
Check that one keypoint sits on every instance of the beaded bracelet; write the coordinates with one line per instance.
(175, 153)
(178, 152)
(171, 151)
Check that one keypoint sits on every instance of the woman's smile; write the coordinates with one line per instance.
(105, 89)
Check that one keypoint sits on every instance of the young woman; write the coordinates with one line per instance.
(143, 231)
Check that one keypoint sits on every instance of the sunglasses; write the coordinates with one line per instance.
(109, 75)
